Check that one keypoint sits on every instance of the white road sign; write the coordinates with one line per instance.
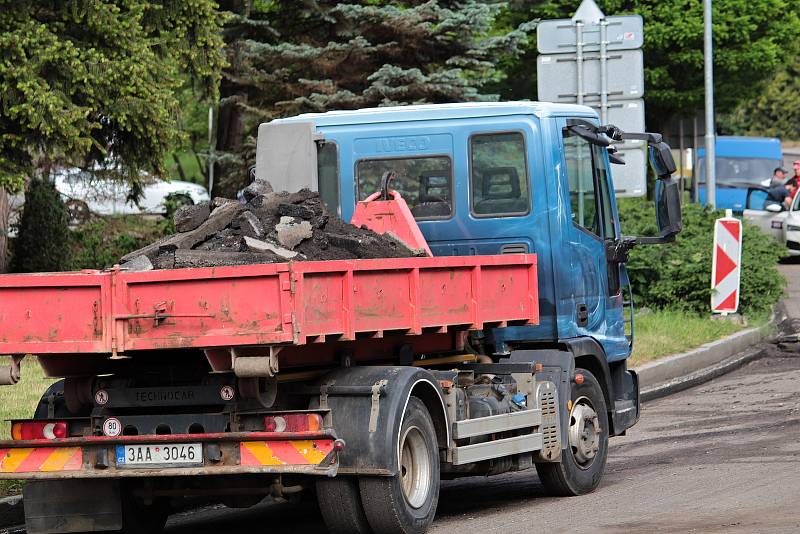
(557, 78)
(559, 36)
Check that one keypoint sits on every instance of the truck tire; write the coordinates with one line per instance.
(406, 502)
(340, 504)
(584, 460)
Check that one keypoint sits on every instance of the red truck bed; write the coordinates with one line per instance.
(118, 312)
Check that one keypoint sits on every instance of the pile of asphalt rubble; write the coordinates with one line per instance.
(268, 228)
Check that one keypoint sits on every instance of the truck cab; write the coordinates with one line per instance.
(495, 178)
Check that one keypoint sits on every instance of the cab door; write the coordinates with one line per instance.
(589, 300)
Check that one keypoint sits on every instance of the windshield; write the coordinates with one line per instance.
(733, 171)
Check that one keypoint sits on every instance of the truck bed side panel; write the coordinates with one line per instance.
(116, 312)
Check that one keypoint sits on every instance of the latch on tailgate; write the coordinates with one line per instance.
(161, 312)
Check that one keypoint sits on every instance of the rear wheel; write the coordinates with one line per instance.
(406, 502)
(584, 460)
(340, 503)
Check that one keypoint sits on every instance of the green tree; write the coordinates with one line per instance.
(89, 80)
(43, 240)
(288, 57)
(752, 39)
(775, 112)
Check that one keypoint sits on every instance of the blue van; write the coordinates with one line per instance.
(742, 162)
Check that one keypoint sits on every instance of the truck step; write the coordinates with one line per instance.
(497, 448)
(491, 424)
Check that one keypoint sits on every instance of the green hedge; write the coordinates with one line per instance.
(677, 276)
(100, 243)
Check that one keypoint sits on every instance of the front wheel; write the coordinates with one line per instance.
(406, 502)
(584, 460)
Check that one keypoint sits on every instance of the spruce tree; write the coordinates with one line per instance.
(88, 80)
(288, 57)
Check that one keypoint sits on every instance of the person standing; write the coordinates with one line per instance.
(778, 177)
(796, 176)
(781, 195)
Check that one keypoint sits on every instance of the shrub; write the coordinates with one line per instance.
(678, 275)
(102, 242)
(43, 231)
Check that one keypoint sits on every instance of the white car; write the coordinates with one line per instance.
(773, 220)
(105, 196)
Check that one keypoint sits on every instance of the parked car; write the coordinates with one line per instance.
(105, 196)
(773, 219)
(88, 192)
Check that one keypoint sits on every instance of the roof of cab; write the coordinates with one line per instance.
(440, 111)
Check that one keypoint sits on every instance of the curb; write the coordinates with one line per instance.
(12, 511)
(704, 375)
(681, 371)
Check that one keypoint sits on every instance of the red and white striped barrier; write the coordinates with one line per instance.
(726, 265)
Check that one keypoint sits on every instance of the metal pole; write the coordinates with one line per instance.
(711, 163)
(694, 158)
(210, 149)
(579, 58)
(603, 71)
(680, 157)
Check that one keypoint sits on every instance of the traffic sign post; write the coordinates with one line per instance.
(597, 61)
(726, 265)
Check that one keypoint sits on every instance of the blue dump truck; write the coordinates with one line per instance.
(368, 380)
(742, 162)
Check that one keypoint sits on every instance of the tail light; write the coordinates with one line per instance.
(22, 430)
(293, 422)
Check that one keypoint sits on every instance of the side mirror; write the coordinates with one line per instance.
(661, 159)
(668, 208)
(774, 207)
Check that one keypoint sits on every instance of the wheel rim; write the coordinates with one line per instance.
(415, 467)
(584, 432)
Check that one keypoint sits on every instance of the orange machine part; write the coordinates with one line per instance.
(390, 217)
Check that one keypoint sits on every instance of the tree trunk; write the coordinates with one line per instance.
(230, 135)
(4, 212)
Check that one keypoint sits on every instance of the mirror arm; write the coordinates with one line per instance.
(618, 250)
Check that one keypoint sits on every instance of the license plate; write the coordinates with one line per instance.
(177, 454)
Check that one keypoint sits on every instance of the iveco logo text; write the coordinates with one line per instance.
(403, 144)
(156, 396)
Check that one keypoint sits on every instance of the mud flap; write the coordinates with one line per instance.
(625, 410)
(63, 506)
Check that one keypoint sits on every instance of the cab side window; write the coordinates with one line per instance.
(588, 186)
(328, 174)
(499, 174)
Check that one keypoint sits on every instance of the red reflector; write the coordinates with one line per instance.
(293, 422)
(22, 430)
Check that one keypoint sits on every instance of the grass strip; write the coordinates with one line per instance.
(662, 333)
